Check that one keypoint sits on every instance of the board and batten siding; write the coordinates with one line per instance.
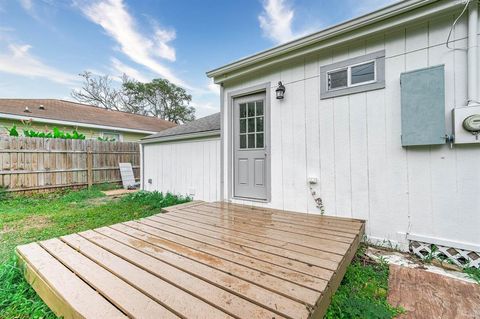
(352, 143)
(190, 167)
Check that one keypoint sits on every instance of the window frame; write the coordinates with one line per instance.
(120, 136)
(378, 59)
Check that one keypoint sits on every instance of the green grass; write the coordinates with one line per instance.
(25, 219)
(363, 292)
(473, 273)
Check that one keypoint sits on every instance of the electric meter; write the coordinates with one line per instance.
(472, 123)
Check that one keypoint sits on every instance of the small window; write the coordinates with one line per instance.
(112, 137)
(351, 75)
(338, 79)
(363, 73)
(359, 74)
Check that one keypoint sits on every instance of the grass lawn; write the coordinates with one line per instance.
(23, 219)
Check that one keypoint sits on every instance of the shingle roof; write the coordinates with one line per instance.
(82, 113)
(205, 124)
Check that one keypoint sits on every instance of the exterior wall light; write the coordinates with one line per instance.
(280, 91)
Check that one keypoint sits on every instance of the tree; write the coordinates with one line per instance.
(159, 98)
(98, 91)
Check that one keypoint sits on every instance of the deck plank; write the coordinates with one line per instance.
(218, 218)
(314, 256)
(197, 260)
(184, 304)
(218, 297)
(310, 269)
(117, 291)
(314, 219)
(75, 300)
(273, 222)
(147, 243)
(284, 273)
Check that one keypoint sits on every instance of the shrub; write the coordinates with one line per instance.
(156, 199)
(12, 131)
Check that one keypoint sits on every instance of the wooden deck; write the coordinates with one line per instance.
(198, 260)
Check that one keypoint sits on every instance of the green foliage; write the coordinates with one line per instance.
(4, 194)
(363, 292)
(106, 139)
(75, 135)
(156, 199)
(17, 298)
(24, 219)
(12, 131)
(160, 98)
(473, 273)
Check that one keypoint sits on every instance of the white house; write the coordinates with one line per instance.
(184, 159)
(371, 126)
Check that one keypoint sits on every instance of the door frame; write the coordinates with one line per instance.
(261, 88)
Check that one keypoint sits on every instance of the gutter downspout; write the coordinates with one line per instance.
(222, 147)
(472, 53)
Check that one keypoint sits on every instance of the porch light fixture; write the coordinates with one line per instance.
(280, 91)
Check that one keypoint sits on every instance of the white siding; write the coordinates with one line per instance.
(184, 167)
(352, 143)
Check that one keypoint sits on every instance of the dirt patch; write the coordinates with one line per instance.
(26, 224)
(428, 295)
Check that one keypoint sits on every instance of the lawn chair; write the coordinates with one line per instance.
(128, 179)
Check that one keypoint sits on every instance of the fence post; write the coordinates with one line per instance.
(89, 167)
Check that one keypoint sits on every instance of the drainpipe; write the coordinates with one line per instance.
(472, 53)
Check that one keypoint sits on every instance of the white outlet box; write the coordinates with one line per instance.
(459, 114)
(312, 180)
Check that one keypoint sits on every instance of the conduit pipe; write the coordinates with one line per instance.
(472, 58)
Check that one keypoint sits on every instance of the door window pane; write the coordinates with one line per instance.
(243, 126)
(337, 79)
(251, 125)
(251, 109)
(363, 73)
(260, 124)
(260, 140)
(251, 140)
(259, 107)
(243, 141)
(243, 110)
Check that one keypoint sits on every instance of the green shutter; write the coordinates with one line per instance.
(423, 106)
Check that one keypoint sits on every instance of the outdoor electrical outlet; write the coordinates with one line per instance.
(312, 180)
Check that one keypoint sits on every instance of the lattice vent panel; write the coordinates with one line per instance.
(460, 257)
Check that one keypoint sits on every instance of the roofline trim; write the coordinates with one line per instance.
(72, 123)
(187, 136)
(331, 32)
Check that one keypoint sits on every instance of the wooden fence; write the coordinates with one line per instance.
(38, 164)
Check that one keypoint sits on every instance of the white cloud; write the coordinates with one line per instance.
(114, 18)
(214, 88)
(120, 68)
(19, 61)
(276, 20)
(27, 4)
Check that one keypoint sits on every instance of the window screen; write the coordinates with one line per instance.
(363, 73)
(338, 79)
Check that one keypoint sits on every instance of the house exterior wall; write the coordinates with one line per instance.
(89, 132)
(352, 143)
(190, 167)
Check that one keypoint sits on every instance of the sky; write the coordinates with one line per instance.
(45, 44)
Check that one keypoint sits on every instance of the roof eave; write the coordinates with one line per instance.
(189, 136)
(334, 31)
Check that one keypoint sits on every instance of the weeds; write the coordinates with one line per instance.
(363, 291)
(473, 273)
(25, 219)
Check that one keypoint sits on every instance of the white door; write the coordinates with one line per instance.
(250, 149)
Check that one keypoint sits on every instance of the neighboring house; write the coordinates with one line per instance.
(184, 159)
(45, 114)
(369, 112)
